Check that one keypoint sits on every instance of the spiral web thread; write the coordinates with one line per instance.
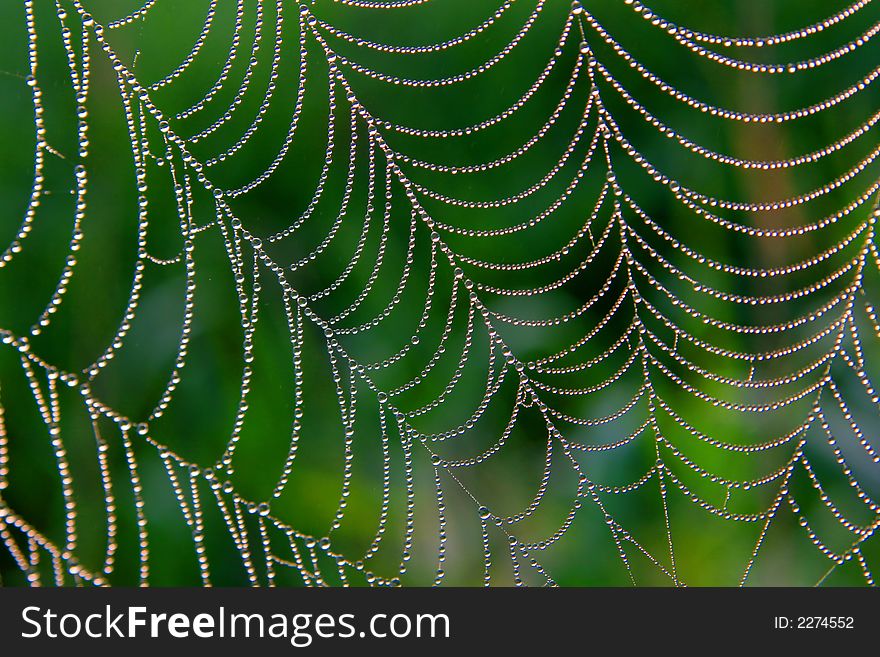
(604, 347)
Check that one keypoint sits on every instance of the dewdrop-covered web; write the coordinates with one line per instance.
(427, 291)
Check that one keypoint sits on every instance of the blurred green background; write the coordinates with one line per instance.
(260, 83)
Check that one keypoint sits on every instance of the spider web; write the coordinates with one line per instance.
(410, 292)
